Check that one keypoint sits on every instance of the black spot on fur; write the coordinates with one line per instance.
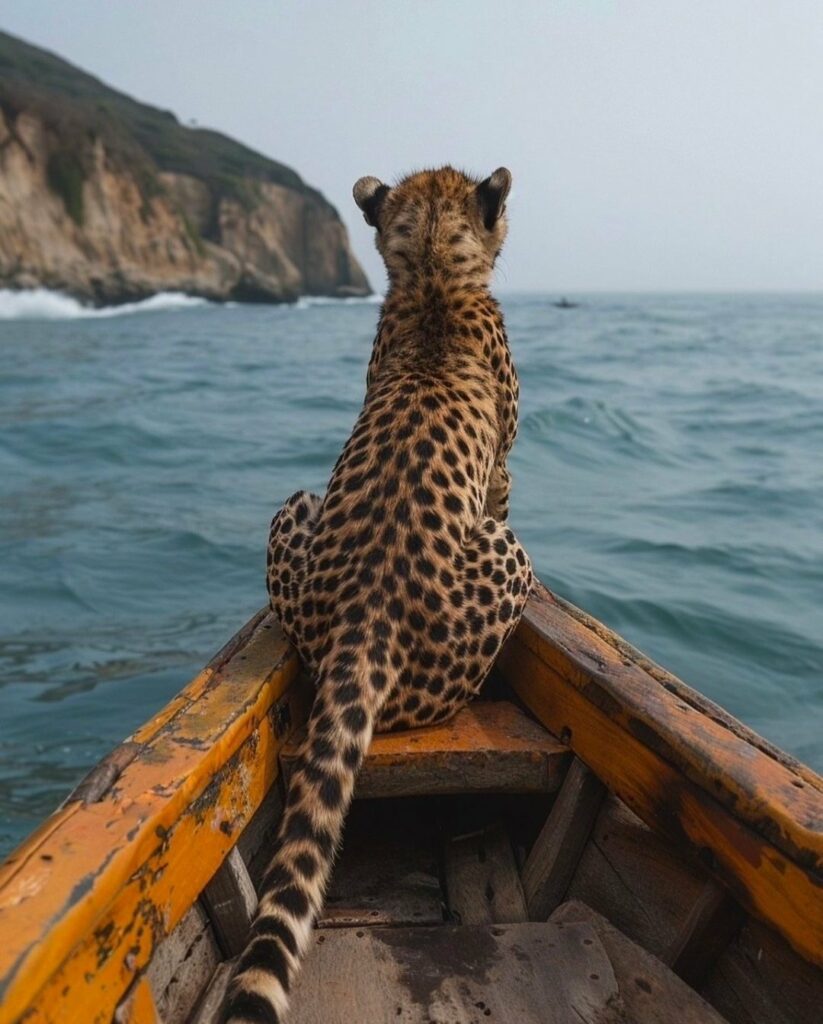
(439, 632)
(306, 864)
(354, 718)
(251, 1007)
(274, 927)
(294, 900)
(349, 693)
(490, 645)
(330, 792)
(352, 756)
(276, 877)
(267, 955)
(299, 826)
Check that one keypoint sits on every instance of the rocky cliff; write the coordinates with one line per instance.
(111, 200)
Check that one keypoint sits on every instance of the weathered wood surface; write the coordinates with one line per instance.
(208, 1009)
(759, 979)
(482, 880)
(712, 923)
(182, 965)
(85, 902)
(525, 973)
(137, 1006)
(637, 879)
(756, 819)
(772, 792)
(528, 973)
(387, 872)
(649, 991)
(554, 857)
(692, 698)
(256, 844)
(230, 902)
(488, 747)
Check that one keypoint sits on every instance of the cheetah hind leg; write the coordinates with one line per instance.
(291, 533)
(497, 497)
(491, 585)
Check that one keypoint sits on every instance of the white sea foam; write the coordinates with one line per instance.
(42, 304)
(307, 301)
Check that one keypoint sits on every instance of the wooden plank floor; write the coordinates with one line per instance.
(426, 921)
(455, 974)
(398, 940)
(651, 993)
(573, 969)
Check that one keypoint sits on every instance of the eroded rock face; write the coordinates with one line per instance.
(104, 237)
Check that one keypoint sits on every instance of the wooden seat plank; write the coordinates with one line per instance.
(574, 969)
(488, 747)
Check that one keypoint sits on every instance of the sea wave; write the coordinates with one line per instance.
(668, 485)
(43, 304)
(308, 301)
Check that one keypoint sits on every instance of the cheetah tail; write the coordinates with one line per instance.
(320, 791)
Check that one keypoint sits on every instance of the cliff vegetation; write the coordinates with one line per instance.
(110, 199)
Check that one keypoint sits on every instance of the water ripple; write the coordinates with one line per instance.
(667, 478)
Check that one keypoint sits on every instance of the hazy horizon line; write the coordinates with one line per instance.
(658, 291)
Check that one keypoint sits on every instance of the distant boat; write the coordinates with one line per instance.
(565, 304)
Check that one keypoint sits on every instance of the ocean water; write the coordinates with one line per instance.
(668, 478)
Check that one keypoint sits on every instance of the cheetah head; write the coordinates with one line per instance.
(441, 218)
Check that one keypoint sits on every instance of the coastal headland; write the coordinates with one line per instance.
(110, 200)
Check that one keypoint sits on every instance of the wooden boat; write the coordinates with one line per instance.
(591, 841)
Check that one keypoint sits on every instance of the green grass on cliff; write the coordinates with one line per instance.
(65, 177)
(78, 108)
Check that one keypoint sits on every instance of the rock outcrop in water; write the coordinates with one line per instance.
(111, 200)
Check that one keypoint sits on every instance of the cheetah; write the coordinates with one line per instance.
(400, 586)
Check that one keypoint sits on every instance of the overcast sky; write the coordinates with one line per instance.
(655, 144)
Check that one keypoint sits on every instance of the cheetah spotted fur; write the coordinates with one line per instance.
(400, 586)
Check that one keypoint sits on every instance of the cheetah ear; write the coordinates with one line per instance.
(369, 194)
(491, 196)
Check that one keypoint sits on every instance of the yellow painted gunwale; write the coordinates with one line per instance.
(686, 767)
(85, 901)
